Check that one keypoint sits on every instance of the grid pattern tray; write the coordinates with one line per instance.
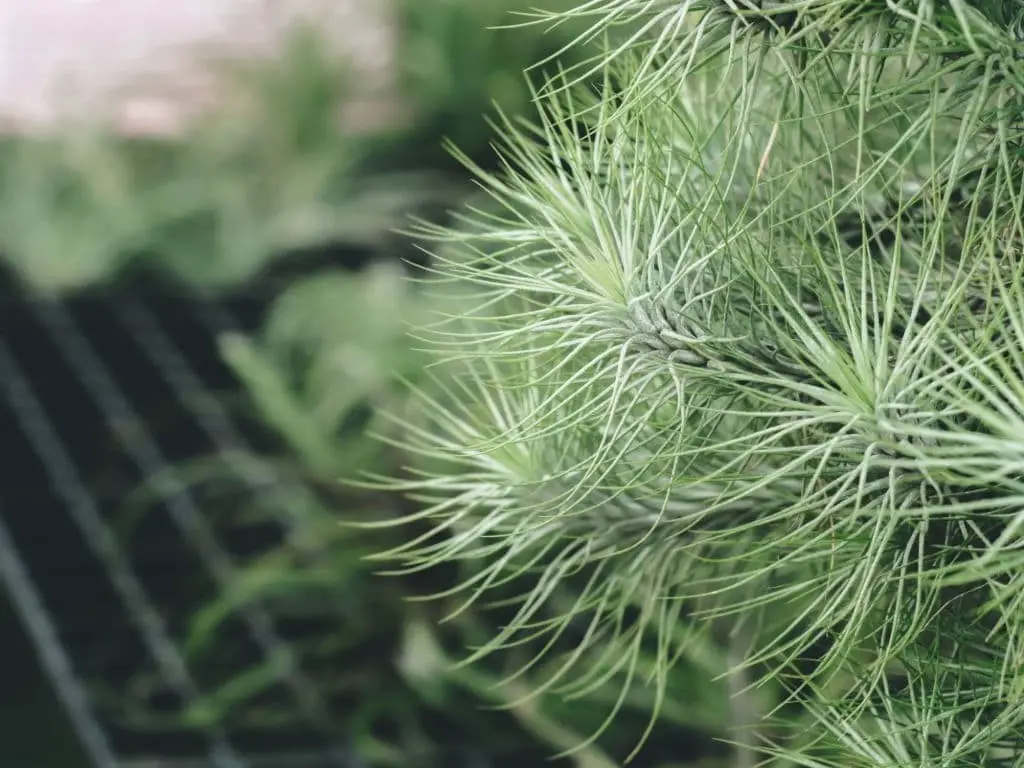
(108, 392)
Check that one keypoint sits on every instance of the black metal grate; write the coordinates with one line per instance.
(81, 385)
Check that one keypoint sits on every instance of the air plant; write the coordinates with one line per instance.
(746, 359)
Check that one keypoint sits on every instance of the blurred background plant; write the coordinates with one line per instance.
(272, 171)
(268, 170)
(462, 59)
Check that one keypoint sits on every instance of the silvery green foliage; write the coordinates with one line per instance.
(748, 348)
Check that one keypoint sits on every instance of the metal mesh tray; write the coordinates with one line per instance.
(82, 384)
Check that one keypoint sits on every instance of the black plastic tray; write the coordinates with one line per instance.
(99, 393)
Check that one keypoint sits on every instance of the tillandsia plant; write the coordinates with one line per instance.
(746, 359)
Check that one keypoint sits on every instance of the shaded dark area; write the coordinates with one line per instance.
(88, 416)
(35, 726)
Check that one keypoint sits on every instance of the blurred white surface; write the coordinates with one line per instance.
(60, 57)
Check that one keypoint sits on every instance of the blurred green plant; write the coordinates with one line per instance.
(267, 172)
(462, 59)
(68, 209)
(273, 172)
(270, 171)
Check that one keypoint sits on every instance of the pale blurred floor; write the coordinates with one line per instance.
(59, 56)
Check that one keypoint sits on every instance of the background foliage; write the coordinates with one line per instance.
(268, 174)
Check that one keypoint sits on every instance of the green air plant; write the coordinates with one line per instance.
(746, 360)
